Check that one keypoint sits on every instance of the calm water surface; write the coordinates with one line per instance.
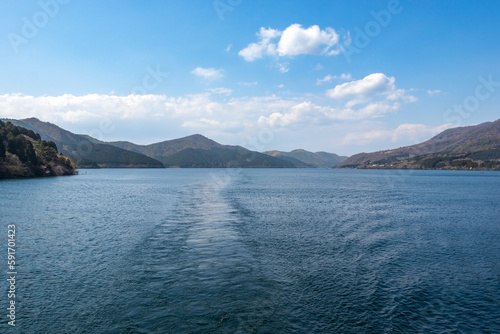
(254, 251)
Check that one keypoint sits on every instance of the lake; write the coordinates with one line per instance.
(254, 251)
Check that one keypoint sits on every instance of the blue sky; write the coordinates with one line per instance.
(338, 76)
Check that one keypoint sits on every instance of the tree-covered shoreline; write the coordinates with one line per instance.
(24, 154)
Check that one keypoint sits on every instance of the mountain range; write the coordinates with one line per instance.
(198, 151)
(469, 147)
(194, 151)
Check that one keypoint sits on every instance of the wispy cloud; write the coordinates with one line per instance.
(209, 74)
(405, 133)
(251, 83)
(434, 92)
(318, 67)
(222, 91)
(329, 78)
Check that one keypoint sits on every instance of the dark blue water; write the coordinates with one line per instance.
(254, 251)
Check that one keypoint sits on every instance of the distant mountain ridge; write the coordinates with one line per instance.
(310, 159)
(169, 147)
(469, 147)
(86, 153)
(194, 151)
(198, 151)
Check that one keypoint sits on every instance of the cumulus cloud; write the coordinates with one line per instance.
(297, 114)
(293, 41)
(309, 113)
(297, 40)
(232, 118)
(209, 74)
(376, 83)
(405, 133)
(71, 108)
(263, 47)
(373, 96)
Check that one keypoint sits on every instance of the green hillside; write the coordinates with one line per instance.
(24, 154)
(223, 158)
(197, 151)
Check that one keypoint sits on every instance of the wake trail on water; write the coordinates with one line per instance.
(193, 273)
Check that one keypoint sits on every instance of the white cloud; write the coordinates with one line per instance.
(309, 113)
(296, 40)
(329, 78)
(73, 109)
(300, 114)
(222, 91)
(268, 109)
(263, 47)
(229, 47)
(373, 96)
(280, 86)
(293, 41)
(376, 83)
(209, 74)
(344, 76)
(283, 67)
(234, 118)
(403, 134)
(434, 92)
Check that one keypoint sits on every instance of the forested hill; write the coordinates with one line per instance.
(86, 153)
(24, 154)
(469, 147)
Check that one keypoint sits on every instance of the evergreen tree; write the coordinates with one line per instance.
(2, 147)
(30, 154)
